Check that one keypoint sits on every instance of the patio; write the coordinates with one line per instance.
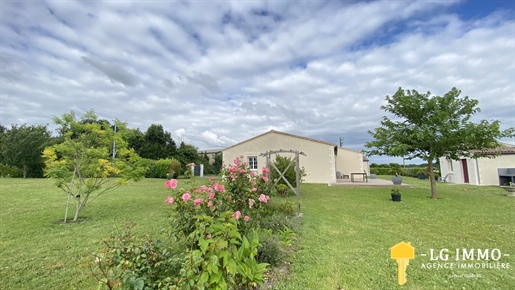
(371, 183)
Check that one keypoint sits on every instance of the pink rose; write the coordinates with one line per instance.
(252, 173)
(265, 170)
(265, 179)
(242, 170)
(169, 200)
(211, 195)
(210, 204)
(219, 187)
(212, 179)
(264, 198)
(237, 215)
(254, 189)
(246, 218)
(186, 196)
(172, 183)
(197, 202)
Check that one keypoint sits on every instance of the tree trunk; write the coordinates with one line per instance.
(431, 172)
(77, 212)
(24, 171)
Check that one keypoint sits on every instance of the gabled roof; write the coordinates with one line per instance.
(284, 134)
(503, 149)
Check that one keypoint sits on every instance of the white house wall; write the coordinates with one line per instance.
(481, 171)
(319, 161)
(350, 161)
(488, 168)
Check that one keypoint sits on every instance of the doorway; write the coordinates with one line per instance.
(465, 170)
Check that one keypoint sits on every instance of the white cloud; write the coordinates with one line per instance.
(216, 73)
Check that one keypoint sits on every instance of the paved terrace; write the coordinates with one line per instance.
(358, 181)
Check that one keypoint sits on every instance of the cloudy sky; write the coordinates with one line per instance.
(215, 73)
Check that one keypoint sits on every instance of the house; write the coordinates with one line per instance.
(210, 154)
(480, 171)
(321, 162)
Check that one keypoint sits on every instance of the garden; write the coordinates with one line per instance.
(341, 241)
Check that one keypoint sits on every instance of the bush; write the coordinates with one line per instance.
(283, 190)
(281, 163)
(174, 169)
(149, 165)
(270, 251)
(10, 171)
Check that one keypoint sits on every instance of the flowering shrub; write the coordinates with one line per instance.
(245, 197)
(213, 241)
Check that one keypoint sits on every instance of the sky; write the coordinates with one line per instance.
(215, 73)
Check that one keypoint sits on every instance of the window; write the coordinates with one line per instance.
(451, 169)
(253, 162)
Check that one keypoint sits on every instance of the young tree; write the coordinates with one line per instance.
(92, 159)
(21, 147)
(430, 127)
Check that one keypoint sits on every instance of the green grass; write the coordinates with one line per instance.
(346, 234)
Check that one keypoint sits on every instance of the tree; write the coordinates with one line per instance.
(157, 144)
(217, 164)
(21, 147)
(84, 165)
(187, 154)
(430, 127)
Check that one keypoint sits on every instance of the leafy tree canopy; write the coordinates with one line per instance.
(430, 127)
(84, 165)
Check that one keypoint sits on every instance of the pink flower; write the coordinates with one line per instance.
(254, 189)
(265, 170)
(169, 200)
(186, 196)
(264, 198)
(242, 170)
(172, 183)
(246, 218)
(252, 173)
(211, 195)
(237, 215)
(251, 202)
(210, 204)
(198, 201)
(219, 187)
(265, 179)
(212, 179)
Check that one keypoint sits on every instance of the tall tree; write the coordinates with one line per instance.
(83, 165)
(22, 146)
(157, 143)
(187, 154)
(430, 127)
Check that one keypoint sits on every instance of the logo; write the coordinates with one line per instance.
(402, 253)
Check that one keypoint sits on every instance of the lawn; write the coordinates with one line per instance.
(346, 234)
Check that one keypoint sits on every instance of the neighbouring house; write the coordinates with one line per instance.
(480, 171)
(321, 162)
(210, 154)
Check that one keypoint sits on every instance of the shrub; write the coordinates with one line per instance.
(10, 171)
(149, 165)
(283, 190)
(281, 163)
(174, 169)
(270, 251)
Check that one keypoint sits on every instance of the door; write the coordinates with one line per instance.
(465, 170)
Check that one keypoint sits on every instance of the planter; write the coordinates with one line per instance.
(372, 176)
(422, 176)
(397, 180)
(396, 197)
(509, 189)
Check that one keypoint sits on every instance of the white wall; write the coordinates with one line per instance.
(482, 171)
(319, 161)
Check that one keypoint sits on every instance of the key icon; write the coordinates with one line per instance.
(402, 253)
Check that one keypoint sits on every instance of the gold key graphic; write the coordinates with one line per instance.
(402, 253)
